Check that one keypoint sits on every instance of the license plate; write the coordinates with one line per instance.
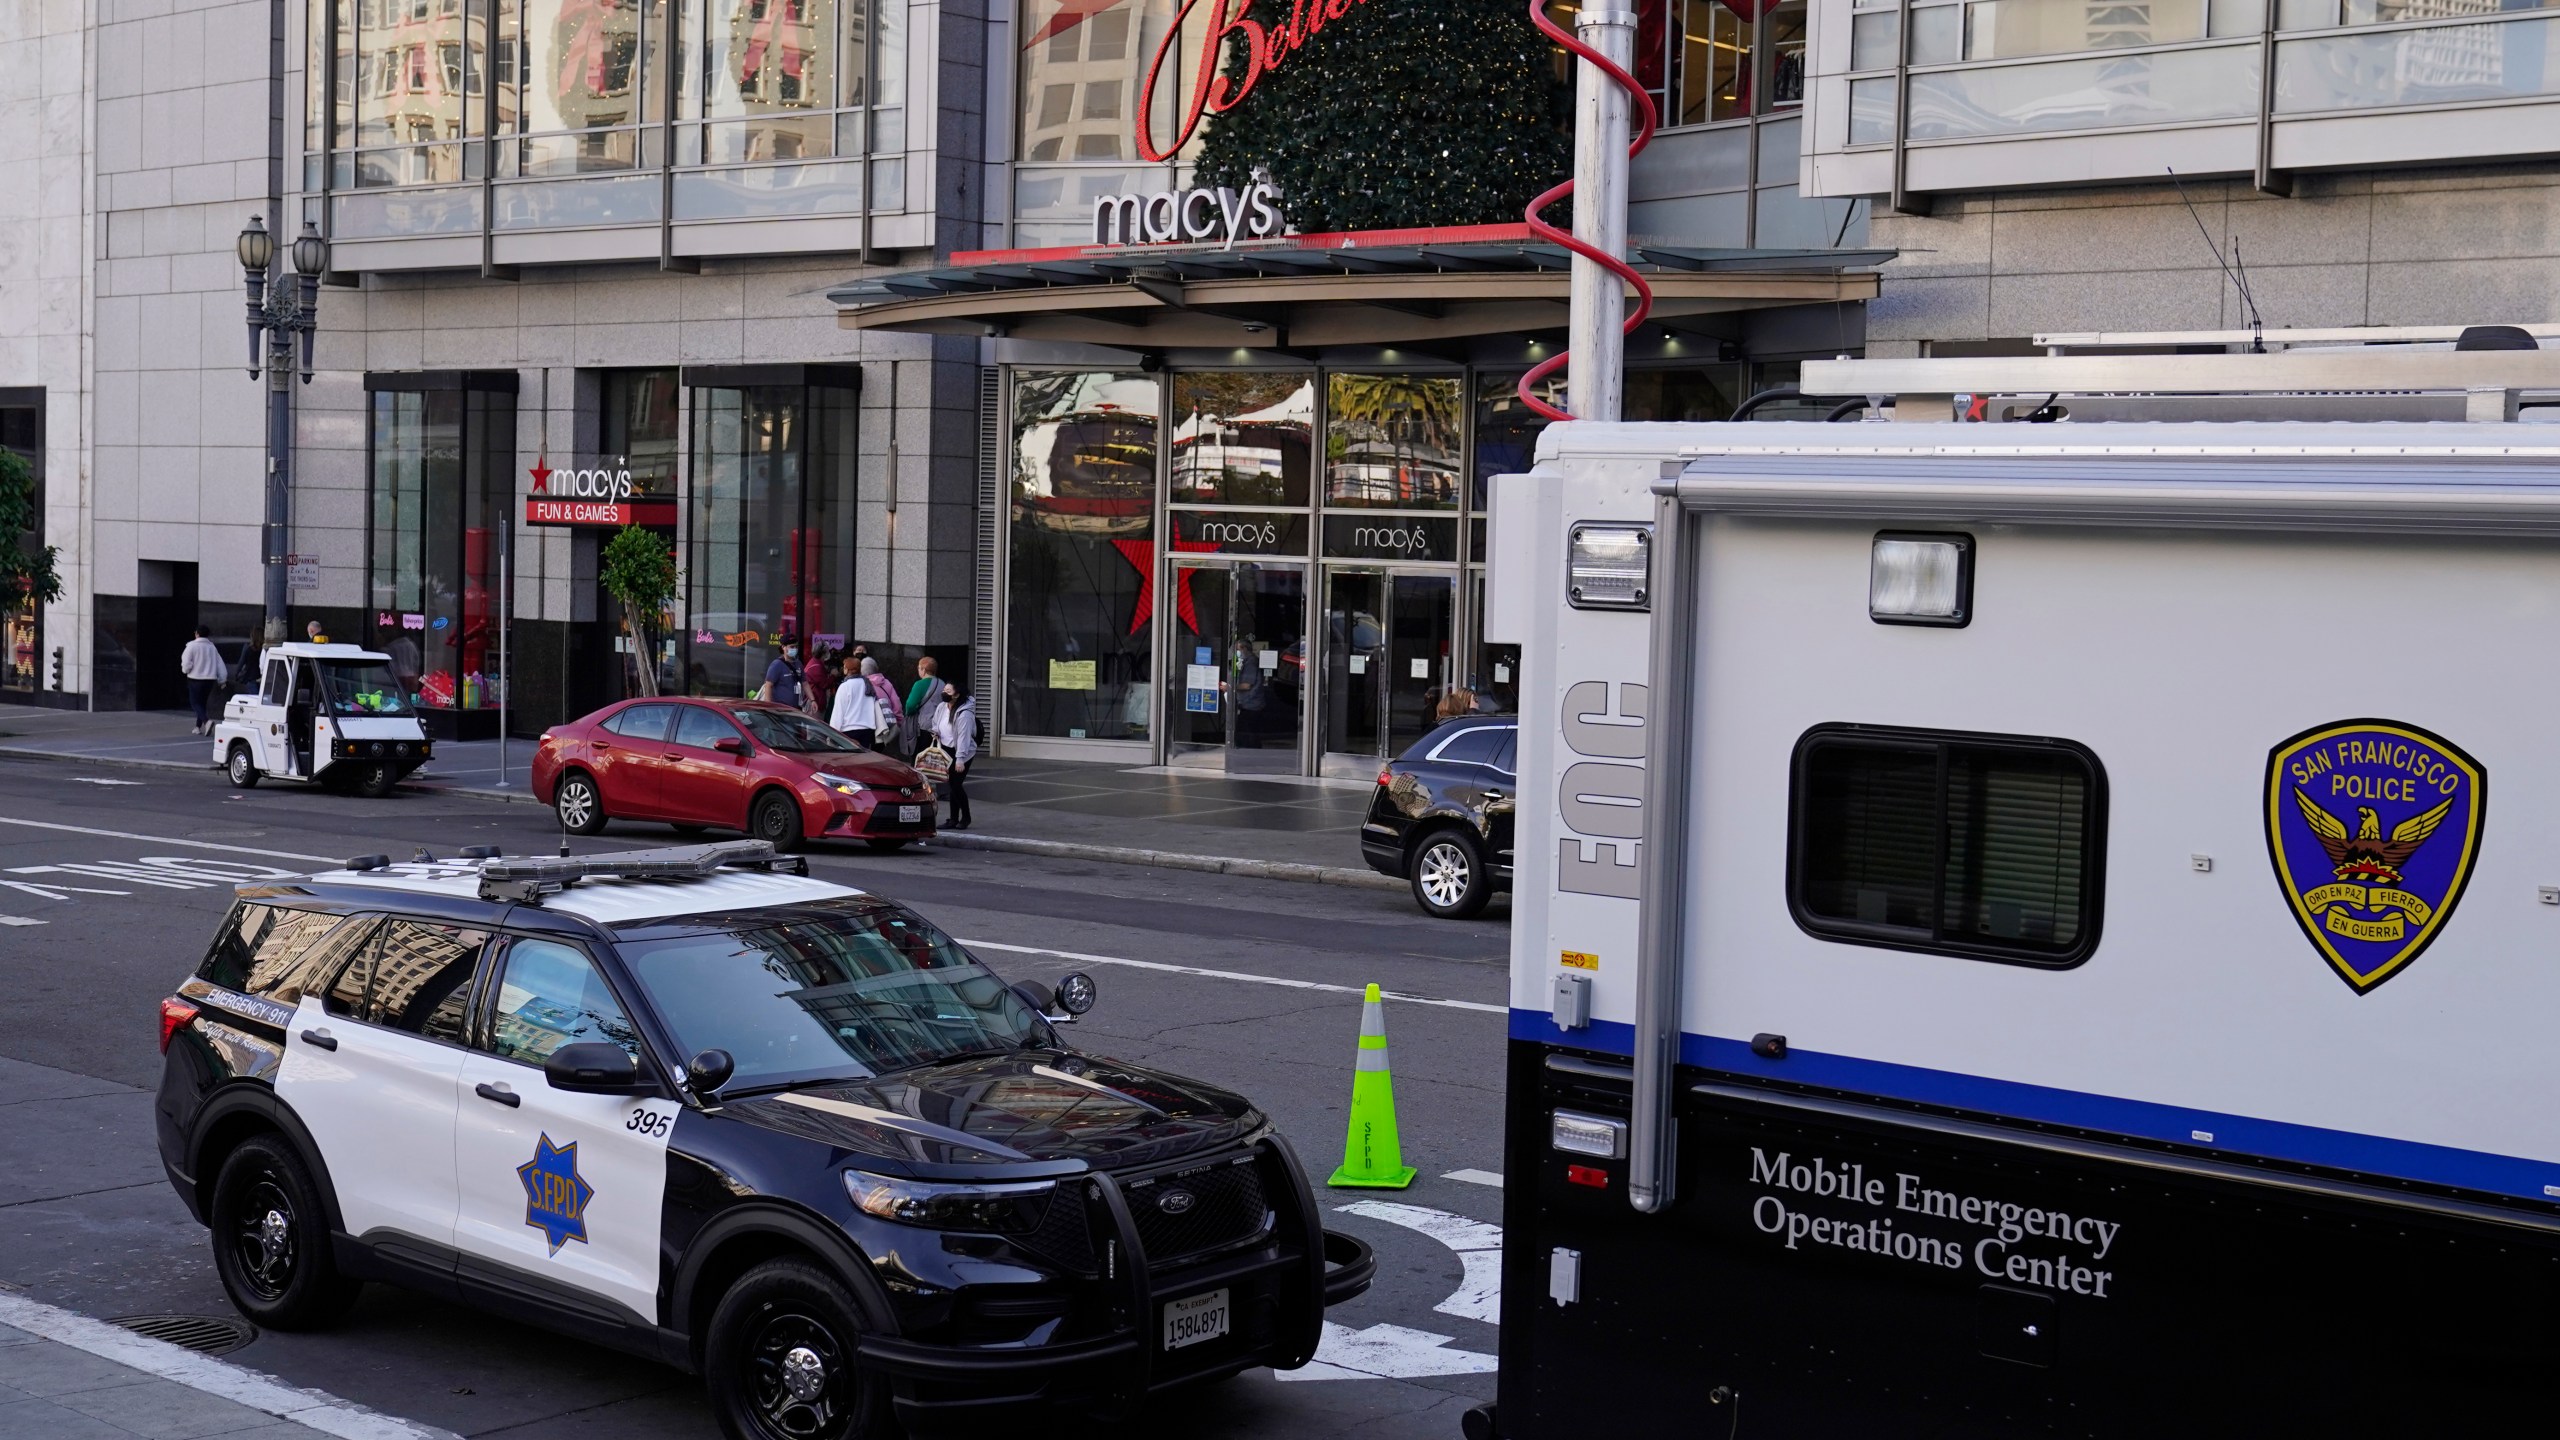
(910, 814)
(1195, 1318)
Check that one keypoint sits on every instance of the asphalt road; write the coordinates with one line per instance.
(111, 880)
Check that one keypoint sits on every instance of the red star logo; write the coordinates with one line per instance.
(1141, 554)
(541, 473)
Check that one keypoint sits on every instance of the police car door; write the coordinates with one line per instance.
(558, 1187)
(370, 1066)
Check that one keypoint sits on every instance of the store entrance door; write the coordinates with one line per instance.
(1234, 695)
(1388, 640)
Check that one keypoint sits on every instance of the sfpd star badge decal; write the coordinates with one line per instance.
(555, 1195)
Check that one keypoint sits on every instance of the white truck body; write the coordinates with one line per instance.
(2209, 611)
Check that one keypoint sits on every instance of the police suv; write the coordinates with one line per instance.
(694, 1104)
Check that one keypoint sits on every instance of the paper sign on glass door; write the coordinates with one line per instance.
(1359, 664)
(1421, 669)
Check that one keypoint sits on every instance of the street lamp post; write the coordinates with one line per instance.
(279, 312)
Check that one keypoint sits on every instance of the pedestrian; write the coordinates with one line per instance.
(817, 681)
(1459, 701)
(895, 728)
(856, 710)
(782, 677)
(202, 664)
(318, 636)
(960, 737)
(927, 686)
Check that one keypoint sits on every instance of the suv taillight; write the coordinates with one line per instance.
(174, 1016)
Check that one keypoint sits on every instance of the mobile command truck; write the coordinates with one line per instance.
(2038, 928)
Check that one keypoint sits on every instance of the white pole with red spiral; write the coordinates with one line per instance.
(1600, 319)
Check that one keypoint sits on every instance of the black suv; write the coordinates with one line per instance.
(691, 1104)
(1441, 815)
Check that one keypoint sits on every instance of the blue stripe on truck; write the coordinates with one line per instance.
(2231, 1134)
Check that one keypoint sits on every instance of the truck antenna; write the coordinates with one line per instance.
(2239, 278)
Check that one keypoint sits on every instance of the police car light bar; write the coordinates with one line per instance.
(528, 880)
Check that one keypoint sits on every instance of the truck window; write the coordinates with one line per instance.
(274, 693)
(1983, 846)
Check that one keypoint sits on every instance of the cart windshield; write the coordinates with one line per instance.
(362, 687)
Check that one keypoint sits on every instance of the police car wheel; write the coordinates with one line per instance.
(581, 808)
(779, 1362)
(776, 820)
(239, 766)
(375, 781)
(270, 1242)
(1449, 878)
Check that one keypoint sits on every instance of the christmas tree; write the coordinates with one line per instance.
(1394, 114)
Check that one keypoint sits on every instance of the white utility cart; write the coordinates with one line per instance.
(335, 715)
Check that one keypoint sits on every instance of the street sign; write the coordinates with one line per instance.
(302, 572)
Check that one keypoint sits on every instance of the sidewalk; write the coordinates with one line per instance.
(65, 1376)
(1276, 827)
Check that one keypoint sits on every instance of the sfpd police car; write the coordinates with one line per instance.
(691, 1104)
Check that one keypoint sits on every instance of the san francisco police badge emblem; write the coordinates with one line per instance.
(2373, 826)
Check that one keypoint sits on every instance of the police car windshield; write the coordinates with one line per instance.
(787, 730)
(362, 687)
(834, 989)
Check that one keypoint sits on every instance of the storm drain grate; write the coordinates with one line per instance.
(204, 1334)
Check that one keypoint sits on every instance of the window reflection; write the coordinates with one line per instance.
(1391, 442)
(1083, 63)
(577, 66)
(1083, 554)
(1242, 438)
(413, 64)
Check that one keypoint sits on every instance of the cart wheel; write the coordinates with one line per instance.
(242, 770)
(376, 780)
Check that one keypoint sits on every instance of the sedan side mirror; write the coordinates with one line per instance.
(593, 1067)
(732, 745)
(705, 1073)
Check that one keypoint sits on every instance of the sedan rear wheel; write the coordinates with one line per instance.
(1449, 878)
(581, 808)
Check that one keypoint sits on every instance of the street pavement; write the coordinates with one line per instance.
(111, 879)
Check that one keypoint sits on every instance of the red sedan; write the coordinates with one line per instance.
(731, 764)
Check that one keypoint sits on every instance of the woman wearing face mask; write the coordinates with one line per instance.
(959, 735)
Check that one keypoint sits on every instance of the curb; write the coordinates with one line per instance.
(1290, 870)
(1170, 860)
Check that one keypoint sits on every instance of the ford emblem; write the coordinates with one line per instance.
(1176, 1202)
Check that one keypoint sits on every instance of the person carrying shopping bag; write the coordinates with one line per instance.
(856, 710)
(960, 737)
(891, 718)
(933, 724)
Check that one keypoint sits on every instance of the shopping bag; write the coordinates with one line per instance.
(933, 763)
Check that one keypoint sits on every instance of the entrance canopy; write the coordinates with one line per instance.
(1307, 292)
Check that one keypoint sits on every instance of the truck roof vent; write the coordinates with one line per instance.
(2494, 337)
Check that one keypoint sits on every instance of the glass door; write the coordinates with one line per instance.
(1421, 633)
(1235, 689)
(1355, 663)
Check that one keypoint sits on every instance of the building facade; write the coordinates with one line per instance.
(2356, 162)
(580, 261)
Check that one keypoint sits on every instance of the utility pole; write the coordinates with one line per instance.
(1595, 383)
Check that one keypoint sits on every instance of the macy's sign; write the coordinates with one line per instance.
(1196, 216)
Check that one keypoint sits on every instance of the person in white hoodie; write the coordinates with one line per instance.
(201, 663)
(857, 710)
(959, 735)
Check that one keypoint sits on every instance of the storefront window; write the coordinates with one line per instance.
(637, 432)
(21, 619)
(443, 463)
(1391, 442)
(1083, 559)
(772, 543)
(1243, 438)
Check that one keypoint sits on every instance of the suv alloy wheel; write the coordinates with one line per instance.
(1449, 878)
(270, 1242)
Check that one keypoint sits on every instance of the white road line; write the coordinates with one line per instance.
(1475, 1177)
(171, 840)
(1280, 980)
(204, 1374)
(19, 920)
(1477, 1242)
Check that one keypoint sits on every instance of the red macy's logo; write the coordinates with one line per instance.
(1213, 92)
(541, 474)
